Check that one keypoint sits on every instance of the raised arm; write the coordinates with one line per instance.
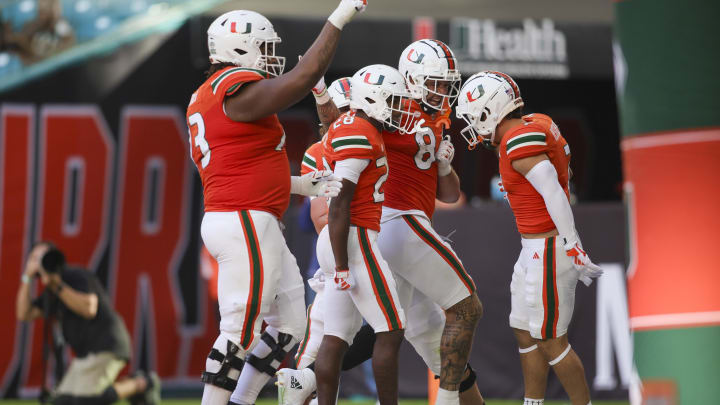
(266, 97)
(24, 310)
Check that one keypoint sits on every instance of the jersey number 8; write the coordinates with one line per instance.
(425, 155)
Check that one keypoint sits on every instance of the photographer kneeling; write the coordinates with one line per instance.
(94, 331)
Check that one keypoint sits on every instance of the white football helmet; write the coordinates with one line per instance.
(339, 91)
(429, 65)
(485, 99)
(246, 39)
(380, 91)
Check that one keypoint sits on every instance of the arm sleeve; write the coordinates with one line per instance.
(351, 168)
(543, 177)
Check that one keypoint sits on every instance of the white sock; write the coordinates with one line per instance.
(252, 381)
(213, 395)
(530, 401)
(445, 397)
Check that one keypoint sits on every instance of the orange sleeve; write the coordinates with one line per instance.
(231, 80)
(311, 159)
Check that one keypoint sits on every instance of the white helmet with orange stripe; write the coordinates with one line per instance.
(246, 39)
(380, 91)
(485, 99)
(430, 68)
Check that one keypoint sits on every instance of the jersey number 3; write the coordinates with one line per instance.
(197, 121)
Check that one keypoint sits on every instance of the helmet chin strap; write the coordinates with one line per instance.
(487, 144)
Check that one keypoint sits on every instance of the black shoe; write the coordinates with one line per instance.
(152, 393)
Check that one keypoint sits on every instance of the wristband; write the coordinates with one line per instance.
(25, 279)
(322, 98)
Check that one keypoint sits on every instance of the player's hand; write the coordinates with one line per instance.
(582, 263)
(343, 279)
(321, 183)
(444, 156)
(345, 11)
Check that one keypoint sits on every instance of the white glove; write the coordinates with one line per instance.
(316, 184)
(344, 280)
(345, 12)
(444, 155)
(581, 261)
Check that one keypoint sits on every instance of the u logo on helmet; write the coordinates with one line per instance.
(233, 28)
(478, 90)
(418, 59)
(380, 80)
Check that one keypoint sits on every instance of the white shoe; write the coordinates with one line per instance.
(295, 386)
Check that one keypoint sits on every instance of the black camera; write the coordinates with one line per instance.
(53, 261)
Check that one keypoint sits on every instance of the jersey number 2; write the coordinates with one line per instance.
(197, 120)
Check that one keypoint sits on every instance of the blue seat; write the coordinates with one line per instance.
(19, 12)
(9, 63)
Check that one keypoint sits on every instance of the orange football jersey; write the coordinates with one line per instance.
(352, 137)
(242, 165)
(312, 159)
(538, 135)
(412, 183)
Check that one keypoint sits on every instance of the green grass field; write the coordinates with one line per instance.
(196, 401)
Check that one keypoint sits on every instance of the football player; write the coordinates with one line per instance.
(534, 162)
(362, 285)
(237, 144)
(295, 386)
(429, 275)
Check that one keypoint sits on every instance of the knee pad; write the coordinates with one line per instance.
(271, 351)
(225, 353)
(469, 381)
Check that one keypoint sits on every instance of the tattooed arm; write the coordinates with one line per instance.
(327, 113)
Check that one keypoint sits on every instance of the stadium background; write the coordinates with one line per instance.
(94, 146)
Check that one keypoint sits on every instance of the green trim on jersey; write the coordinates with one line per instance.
(228, 72)
(308, 160)
(529, 139)
(355, 141)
